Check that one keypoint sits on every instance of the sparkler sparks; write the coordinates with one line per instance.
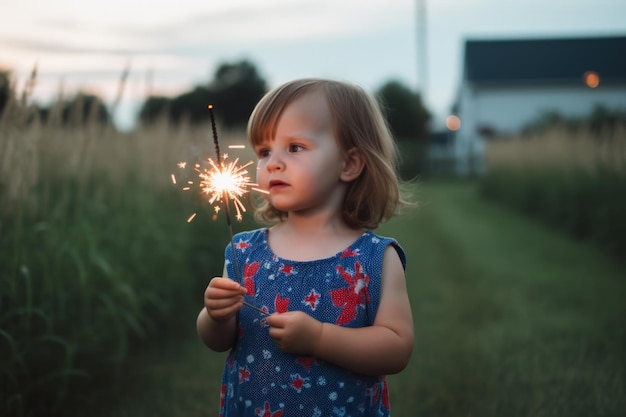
(220, 184)
(230, 181)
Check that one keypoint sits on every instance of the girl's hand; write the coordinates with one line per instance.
(295, 332)
(223, 298)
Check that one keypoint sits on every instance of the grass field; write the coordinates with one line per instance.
(511, 319)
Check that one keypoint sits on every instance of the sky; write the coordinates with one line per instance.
(170, 47)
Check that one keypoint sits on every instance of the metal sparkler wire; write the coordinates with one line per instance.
(225, 198)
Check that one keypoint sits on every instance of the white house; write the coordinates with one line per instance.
(508, 83)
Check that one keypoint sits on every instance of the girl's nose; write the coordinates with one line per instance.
(275, 162)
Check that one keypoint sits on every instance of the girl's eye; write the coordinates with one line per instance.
(262, 153)
(295, 148)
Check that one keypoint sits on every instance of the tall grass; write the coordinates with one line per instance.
(572, 180)
(561, 149)
(511, 319)
(95, 253)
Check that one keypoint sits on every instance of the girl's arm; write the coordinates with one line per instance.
(217, 321)
(381, 349)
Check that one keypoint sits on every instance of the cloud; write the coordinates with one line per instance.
(253, 23)
(47, 46)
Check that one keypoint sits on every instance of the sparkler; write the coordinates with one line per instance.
(222, 182)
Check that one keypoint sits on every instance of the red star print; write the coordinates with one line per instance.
(312, 299)
(348, 253)
(353, 296)
(249, 270)
(222, 398)
(242, 245)
(374, 392)
(244, 375)
(281, 305)
(385, 398)
(286, 269)
(231, 359)
(297, 382)
(306, 361)
(266, 412)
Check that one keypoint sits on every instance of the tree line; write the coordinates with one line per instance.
(235, 89)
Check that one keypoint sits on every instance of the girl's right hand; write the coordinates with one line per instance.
(223, 298)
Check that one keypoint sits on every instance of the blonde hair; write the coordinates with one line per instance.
(359, 124)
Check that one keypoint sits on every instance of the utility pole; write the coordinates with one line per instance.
(422, 53)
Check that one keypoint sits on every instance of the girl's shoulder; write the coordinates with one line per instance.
(250, 237)
(380, 243)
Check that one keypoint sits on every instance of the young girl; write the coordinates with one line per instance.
(337, 316)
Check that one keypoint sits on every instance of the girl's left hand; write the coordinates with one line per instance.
(295, 332)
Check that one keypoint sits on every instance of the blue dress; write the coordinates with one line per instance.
(261, 380)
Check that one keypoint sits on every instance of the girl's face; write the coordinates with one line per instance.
(301, 166)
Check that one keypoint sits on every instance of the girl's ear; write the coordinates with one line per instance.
(353, 165)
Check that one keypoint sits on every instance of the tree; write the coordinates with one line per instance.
(154, 108)
(5, 89)
(234, 91)
(406, 114)
(408, 121)
(191, 106)
(82, 109)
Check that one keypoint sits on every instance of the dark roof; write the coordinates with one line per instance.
(545, 60)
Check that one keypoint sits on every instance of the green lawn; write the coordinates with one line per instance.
(511, 319)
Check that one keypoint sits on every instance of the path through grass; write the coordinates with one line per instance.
(511, 319)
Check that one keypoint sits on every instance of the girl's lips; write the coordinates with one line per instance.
(277, 183)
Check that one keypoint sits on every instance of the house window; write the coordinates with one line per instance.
(591, 79)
